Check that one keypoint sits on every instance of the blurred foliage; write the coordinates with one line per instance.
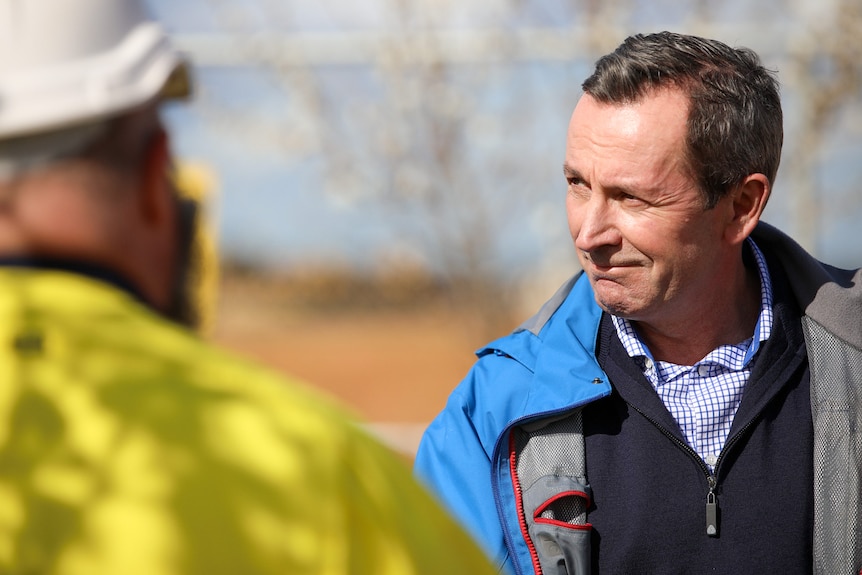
(423, 106)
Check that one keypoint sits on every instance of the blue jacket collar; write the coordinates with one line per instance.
(558, 346)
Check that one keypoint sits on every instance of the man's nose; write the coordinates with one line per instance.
(597, 225)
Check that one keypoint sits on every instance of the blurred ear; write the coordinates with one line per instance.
(152, 257)
(156, 194)
(749, 200)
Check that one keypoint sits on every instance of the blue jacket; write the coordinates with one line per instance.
(517, 378)
(548, 367)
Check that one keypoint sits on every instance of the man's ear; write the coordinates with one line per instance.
(749, 199)
(156, 194)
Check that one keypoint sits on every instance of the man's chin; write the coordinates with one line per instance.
(614, 306)
(618, 311)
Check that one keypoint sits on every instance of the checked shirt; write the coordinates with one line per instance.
(703, 398)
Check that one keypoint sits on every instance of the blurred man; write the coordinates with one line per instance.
(127, 445)
(691, 402)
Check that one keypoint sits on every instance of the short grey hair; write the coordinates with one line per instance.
(735, 122)
(22, 154)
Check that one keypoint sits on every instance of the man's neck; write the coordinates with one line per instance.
(726, 319)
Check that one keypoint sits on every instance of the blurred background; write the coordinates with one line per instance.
(384, 182)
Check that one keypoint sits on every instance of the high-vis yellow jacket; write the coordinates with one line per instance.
(129, 446)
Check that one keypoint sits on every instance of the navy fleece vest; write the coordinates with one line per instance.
(650, 492)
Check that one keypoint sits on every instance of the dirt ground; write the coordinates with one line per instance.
(395, 368)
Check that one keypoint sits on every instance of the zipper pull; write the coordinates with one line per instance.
(711, 510)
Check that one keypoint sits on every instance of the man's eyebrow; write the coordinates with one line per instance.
(570, 172)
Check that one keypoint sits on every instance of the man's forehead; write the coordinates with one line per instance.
(659, 118)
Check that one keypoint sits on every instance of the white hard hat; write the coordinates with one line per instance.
(68, 62)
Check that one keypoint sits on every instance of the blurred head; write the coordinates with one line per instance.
(734, 124)
(84, 159)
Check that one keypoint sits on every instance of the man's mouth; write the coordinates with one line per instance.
(608, 266)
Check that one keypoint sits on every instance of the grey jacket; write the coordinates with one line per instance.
(831, 299)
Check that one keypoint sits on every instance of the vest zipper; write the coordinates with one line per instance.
(712, 523)
(711, 509)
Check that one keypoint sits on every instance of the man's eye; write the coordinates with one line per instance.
(577, 187)
(630, 199)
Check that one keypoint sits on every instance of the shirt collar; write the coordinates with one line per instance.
(80, 267)
(636, 348)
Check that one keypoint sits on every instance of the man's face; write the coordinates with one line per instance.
(637, 217)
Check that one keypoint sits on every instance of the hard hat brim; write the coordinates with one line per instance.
(143, 67)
